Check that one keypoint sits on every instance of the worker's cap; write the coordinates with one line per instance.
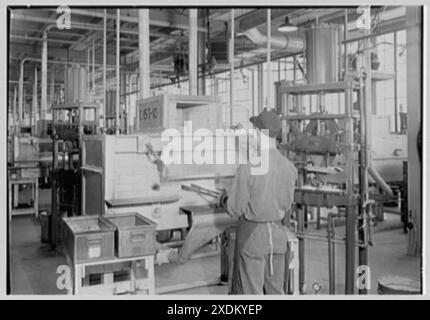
(268, 120)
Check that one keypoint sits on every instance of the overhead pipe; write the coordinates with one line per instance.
(380, 181)
(67, 41)
(281, 42)
(90, 26)
(192, 53)
(144, 54)
(127, 18)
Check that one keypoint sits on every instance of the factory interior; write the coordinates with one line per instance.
(93, 207)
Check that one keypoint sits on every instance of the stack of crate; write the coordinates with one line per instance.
(111, 254)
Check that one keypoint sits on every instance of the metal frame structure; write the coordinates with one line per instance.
(347, 197)
(69, 123)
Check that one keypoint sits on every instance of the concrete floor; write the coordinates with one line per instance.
(34, 265)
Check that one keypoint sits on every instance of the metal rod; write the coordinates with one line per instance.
(231, 60)
(118, 21)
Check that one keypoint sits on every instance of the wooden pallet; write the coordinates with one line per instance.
(113, 277)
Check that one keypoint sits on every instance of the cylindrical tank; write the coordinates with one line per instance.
(77, 85)
(321, 54)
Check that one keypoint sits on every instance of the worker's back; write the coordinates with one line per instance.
(272, 194)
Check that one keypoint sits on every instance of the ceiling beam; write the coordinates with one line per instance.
(156, 18)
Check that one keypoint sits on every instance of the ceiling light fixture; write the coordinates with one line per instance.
(287, 26)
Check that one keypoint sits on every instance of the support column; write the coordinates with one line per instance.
(20, 95)
(93, 74)
(52, 89)
(144, 61)
(34, 102)
(231, 61)
(260, 82)
(201, 59)
(44, 87)
(118, 21)
(350, 208)
(103, 110)
(192, 53)
(269, 69)
(14, 110)
(414, 83)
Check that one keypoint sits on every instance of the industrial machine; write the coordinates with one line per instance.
(326, 133)
(126, 173)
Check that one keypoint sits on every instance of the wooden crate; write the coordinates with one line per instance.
(113, 277)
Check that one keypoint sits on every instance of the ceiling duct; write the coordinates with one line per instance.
(290, 43)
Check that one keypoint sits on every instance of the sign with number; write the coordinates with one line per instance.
(149, 114)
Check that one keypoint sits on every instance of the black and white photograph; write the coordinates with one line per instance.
(226, 150)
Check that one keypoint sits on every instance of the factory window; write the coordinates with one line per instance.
(390, 95)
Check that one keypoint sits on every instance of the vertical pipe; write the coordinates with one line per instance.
(231, 60)
(345, 36)
(117, 72)
(331, 254)
(20, 95)
(34, 102)
(103, 111)
(192, 53)
(89, 69)
(269, 69)
(52, 87)
(350, 209)
(253, 91)
(94, 68)
(14, 110)
(144, 63)
(366, 134)
(301, 229)
(396, 111)
(44, 100)
(260, 87)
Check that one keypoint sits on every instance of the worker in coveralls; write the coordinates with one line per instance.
(261, 203)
